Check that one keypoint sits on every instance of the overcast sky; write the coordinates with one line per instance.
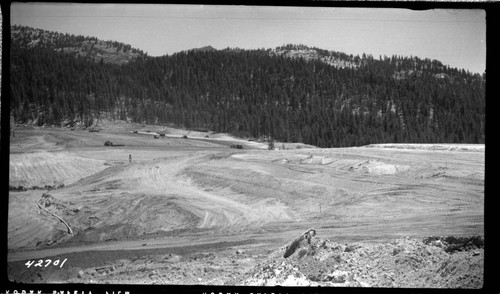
(455, 37)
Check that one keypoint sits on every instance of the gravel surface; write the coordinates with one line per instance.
(237, 207)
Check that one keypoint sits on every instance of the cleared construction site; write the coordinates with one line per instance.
(158, 205)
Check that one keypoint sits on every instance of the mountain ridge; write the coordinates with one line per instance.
(98, 49)
(78, 45)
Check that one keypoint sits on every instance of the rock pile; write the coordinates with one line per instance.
(434, 262)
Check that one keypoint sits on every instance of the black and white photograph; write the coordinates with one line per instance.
(220, 145)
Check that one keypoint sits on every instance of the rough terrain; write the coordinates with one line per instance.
(195, 211)
(436, 262)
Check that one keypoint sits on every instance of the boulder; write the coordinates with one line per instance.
(338, 276)
(300, 241)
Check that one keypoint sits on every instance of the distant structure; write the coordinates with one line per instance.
(270, 146)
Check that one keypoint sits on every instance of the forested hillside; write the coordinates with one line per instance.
(291, 93)
(87, 47)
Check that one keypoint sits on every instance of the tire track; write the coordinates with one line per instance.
(164, 177)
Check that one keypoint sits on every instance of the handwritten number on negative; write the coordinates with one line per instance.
(40, 262)
(29, 263)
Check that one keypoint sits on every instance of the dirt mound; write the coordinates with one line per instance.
(43, 170)
(434, 262)
(378, 167)
(320, 160)
(451, 244)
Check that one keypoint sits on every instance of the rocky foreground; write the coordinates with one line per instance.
(432, 262)
(308, 260)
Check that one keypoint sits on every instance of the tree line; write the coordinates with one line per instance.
(250, 93)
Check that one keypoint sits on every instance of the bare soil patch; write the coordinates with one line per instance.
(200, 192)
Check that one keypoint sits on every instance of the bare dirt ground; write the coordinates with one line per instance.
(195, 211)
